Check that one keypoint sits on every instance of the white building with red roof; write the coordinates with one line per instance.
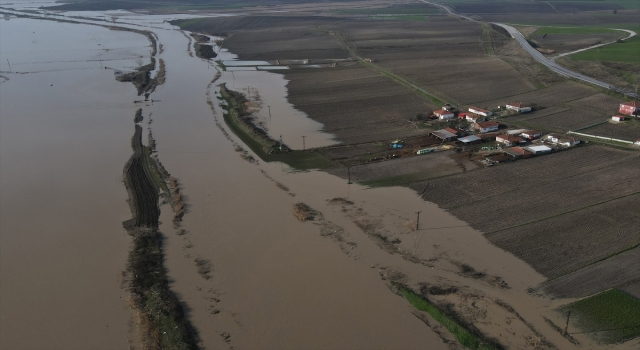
(480, 111)
(485, 127)
(509, 140)
(442, 114)
(630, 108)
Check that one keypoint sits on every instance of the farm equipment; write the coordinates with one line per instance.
(397, 144)
(425, 150)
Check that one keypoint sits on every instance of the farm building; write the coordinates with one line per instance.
(480, 111)
(561, 140)
(473, 118)
(536, 150)
(484, 127)
(630, 108)
(509, 140)
(470, 140)
(446, 134)
(518, 107)
(618, 118)
(531, 134)
(442, 114)
(449, 108)
(518, 152)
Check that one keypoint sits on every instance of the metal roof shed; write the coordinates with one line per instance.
(471, 139)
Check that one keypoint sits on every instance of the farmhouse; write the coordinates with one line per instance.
(442, 114)
(531, 134)
(630, 108)
(470, 140)
(518, 107)
(446, 134)
(618, 118)
(562, 140)
(518, 152)
(473, 118)
(480, 111)
(509, 140)
(536, 150)
(484, 127)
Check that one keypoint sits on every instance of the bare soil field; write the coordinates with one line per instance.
(561, 43)
(444, 55)
(548, 97)
(422, 167)
(554, 196)
(356, 104)
(632, 288)
(503, 7)
(615, 73)
(273, 37)
(590, 18)
(572, 119)
(618, 271)
(566, 243)
(628, 130)
(599, 103)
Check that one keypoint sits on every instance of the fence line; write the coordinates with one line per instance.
(600, 137)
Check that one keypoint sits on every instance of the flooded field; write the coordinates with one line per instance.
(246, 271)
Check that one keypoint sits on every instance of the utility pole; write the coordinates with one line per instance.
(280, 143)
(304, 147)
(566, 326)
(349, 175)
(9, 66)
(418, 220)
(269, 112)
(248, 93)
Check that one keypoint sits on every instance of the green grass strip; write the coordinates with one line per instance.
(610, 317)
(463, 336)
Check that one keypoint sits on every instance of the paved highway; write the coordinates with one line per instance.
(538, 56)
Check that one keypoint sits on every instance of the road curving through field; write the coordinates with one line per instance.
(549, 63)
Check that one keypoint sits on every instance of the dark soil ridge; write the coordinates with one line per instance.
(205, 51)
(161, 316)
(141, 77)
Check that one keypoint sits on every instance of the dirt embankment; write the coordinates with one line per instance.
(237, 113)
(205, 51)
(141, 77)
(160, 317)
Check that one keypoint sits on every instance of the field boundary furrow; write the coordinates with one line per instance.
(564, 213)
(346, 44)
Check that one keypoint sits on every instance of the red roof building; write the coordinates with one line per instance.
(509, 140)
(630, 108)
(484, 127)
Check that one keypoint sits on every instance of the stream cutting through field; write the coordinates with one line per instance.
(248, 273)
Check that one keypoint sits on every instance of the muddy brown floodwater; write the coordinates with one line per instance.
(64, 137)
(247, 272)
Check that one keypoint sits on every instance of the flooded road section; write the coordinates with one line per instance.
(65, 131)
(248, 273)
